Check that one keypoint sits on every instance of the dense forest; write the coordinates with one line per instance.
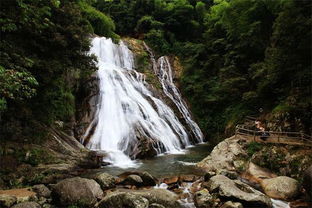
(239, 56)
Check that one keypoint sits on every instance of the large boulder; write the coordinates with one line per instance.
(81, 191)
(105, 180)
(27, 205)
(123, 199)
(235, 189)
(203, 199)
(256, 174)
(281, 187)
(223, 156)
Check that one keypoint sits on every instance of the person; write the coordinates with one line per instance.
(264, 134)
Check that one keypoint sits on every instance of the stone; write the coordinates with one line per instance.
(154, 205)
(21, 195)
(148, 179)
(230, 204)
(105, 180)
(203, 199)
(123, 199)
(223, 156)
(160, 196)
(42, 190)
(230, 174)
(208, 175)
(27, 205)
(188, 178)
(256, 174)
(171, 180)
(7, 200)
(281, 187)
(133, 180)
(235, 189)
(81, 191)
(154, 196)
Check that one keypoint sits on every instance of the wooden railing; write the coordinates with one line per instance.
(275, 136)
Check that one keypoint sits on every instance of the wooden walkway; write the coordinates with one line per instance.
(291, 138)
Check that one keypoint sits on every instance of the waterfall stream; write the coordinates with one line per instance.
(127, 113)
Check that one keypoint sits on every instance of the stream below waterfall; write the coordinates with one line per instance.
(167, 164)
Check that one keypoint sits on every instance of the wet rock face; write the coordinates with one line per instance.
(82, 191)
(227, 188)
(86, 106)
(281, 187)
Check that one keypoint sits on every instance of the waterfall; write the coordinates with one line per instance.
(127, 113)
(163, 70)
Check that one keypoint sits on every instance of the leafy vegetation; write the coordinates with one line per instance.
(44, 59)
(238, 56)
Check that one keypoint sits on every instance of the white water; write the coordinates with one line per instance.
(125, 109)
(163, 70)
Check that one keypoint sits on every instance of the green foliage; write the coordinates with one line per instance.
(43, 60)
(102, 24)
(253, 147)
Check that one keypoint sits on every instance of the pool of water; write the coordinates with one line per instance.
(168, 165)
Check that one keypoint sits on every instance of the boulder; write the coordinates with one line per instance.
(223, 156)
(105, 180)
(21, 195)
(123, 199)
(7, 200)
(256, 174)
(188, 178)
(203, 199)
(159, 196)
(171, 180)
(235, 189)
(27, 205)
(81, 191)
(230, 204)
(42, 190)
(134, 180)
(281, 187)
(148, 179)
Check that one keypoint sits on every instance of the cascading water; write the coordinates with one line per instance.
(125, 112)
(163, 70)
(166, 78)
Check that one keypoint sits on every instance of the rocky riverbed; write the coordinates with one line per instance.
(233, 176)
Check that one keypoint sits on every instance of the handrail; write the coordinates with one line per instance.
(279, 135)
